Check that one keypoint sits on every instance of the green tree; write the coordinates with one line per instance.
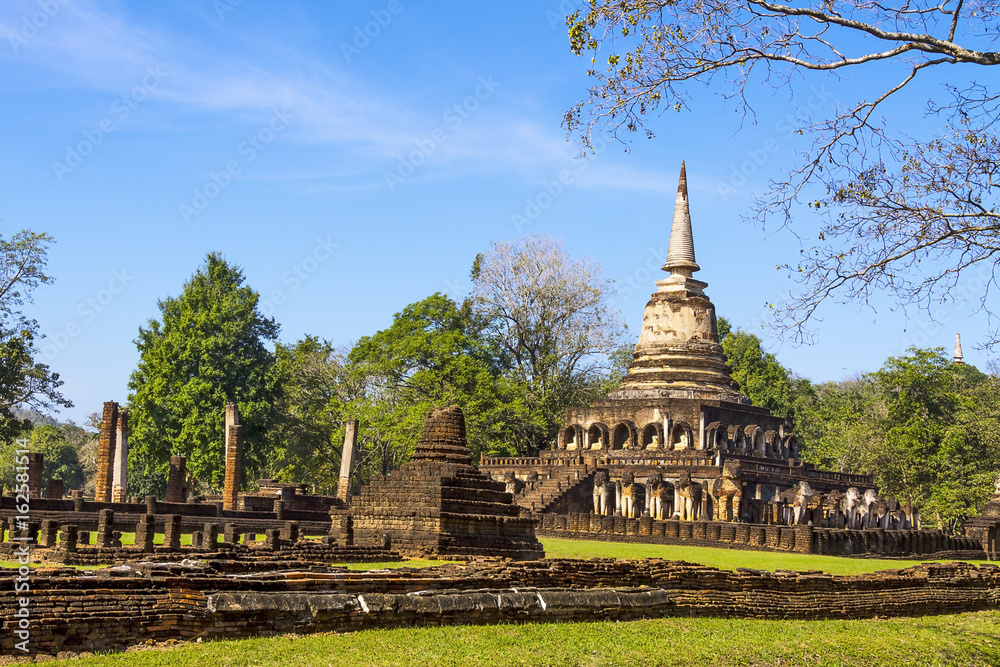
(209, 349)
(761, 377)
(307, 436)
(829, 422)
(435, 354)
(24, 382)
(61, 457)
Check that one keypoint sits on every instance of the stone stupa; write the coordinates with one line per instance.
(440, 505)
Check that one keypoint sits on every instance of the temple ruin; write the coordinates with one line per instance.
(678, 440)
(440, 505)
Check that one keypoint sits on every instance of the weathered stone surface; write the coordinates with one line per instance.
(440, 504)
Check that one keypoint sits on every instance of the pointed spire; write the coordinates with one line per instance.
(680, 254)
(959, 359)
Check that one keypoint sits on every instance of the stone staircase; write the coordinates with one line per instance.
(542, 495)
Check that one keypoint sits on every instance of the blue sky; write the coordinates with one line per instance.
(350, 174)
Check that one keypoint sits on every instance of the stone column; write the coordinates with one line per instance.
(211, 537)
(119, 473)
(68, 539)
(234, 465)
(48, 535)
(105, 526)
(347, 461)
(290, 532)
(145, 531)
(36, 470)
(232, 419)
(176, 491)
(272, 541)
(105, 452)
(172, 532)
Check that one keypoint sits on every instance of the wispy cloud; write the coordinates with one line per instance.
(101, 46)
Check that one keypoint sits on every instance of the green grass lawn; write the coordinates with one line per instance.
(725, 559)
(959, 640)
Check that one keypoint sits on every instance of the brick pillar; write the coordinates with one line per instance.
(234, 467)
(105, 526)
(119, 472)
(290, 532)
(105, 452)
(48, 536)
(69, 537)
(55, 490)
(145, 530)
(272, 541)
(232, 418)
(36, 470)
(347, 460)
(231, 533)
(172, 532)
(211, 537)
(176, 491)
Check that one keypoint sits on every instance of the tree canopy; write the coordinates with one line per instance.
(761, 377)
(878, 208)
(928, 429)
(209, 349)
(24, 382)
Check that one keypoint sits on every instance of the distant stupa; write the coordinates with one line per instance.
(958, 359)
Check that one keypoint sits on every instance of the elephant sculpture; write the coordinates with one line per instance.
(632, 500)
(603, 495)
(688, 497)
(727, 492)
(850, 507)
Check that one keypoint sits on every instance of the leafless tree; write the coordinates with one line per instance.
(894, 214)
(550, 315)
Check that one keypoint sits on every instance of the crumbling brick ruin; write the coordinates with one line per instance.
(440, 504)
(219, 599)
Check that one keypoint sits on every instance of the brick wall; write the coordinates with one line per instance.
(797, 539)
(107, 611)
